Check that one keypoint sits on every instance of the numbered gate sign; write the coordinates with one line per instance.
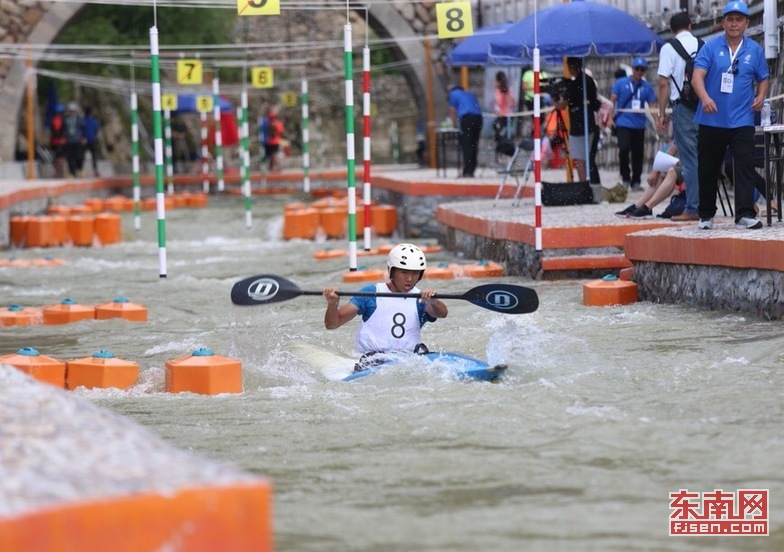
(169, 102)
(189, 71)
(454, 19)
(204, 104)
(258, 7)
(261, 77)
(288, 99)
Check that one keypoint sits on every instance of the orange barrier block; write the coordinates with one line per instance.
(95, 205)
(67, 311)
(204, 518)
(430, 248)
(303, 223)
(294, 207)
(197, 200)
(18, 231)
(108, 228)
(42, 368)
(115, 203)
(178, 201)
(81, 229)
(121, 308)
(46, 261)
(484, 269)
(626, 274)
(384, 219)
(81, 210)
(385, 248)
(63, 210)
(333, 222)
(364, 275)
(205, 373)
(16, 315)
(59, 235)
(609, 291)
(148, 204)
(330, 254)
(40, 231)
(441, 271)
(102, 370)
(359, 219)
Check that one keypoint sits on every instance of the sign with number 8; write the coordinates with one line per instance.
(454, 19)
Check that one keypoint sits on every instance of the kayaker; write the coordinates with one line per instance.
(389, 323)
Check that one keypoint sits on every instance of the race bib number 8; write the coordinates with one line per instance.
(454, 19)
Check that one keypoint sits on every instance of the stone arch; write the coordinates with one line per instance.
(41, 22)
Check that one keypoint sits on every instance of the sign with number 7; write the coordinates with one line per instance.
(258, 7)
(454, 19)
(189, 71)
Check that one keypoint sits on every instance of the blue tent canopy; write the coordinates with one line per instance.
(578, 28)
(473, 50)
(186, 103)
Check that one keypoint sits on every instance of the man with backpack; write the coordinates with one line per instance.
(674, 85)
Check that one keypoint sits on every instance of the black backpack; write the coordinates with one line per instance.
(688, 97)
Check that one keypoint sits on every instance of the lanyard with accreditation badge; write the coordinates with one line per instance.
(727, 77)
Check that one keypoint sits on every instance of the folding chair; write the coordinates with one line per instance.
(517, 169)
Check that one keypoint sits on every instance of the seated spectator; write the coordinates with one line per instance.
(660, 186)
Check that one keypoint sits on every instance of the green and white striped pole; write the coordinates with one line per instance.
(137, 224)
(350, 171)
(157, 133)
(245, 149)
(218, 136)
(169, 152)
(305, 138)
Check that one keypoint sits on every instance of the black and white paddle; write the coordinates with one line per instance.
(268, 288)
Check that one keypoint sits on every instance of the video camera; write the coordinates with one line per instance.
(555, 87)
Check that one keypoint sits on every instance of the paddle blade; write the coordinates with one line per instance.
(263, 289)
(505, 298)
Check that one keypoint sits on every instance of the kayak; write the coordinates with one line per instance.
(463, 366)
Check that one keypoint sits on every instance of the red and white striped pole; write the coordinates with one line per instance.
(205, 153)
(537, 157)
(366, 142)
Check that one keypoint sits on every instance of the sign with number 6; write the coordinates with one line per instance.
(261, 77)
(454, 19)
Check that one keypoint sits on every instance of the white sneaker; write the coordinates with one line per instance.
(705, 224)
(748, 223)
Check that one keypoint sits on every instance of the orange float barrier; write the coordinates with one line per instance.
(95, 204)
(204, 517)
(483, 269)
(441, 271)
(179, 201)
(626, 274)
(40, 231)
(302, 223)
(115, 203)
(121, 308)
(330, 254)
(16, 315)
(333, 222)
(609, 291)
(204, 372)
(42, 368)
(80, 210)
(63, 210)
(67, 311)
(101, 370)
(385, 248)
(294, 207)
(18, 231)
(108, 228)
(81, 229)
(197, 200)
(364, 275)
(59, 234)
(384, 219)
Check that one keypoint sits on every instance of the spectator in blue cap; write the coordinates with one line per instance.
(631, 97)
(731, 80)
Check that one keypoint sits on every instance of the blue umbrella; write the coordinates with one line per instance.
(579, 28)
(472, 51)
(186, 103)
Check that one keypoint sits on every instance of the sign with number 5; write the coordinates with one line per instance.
(454, 19)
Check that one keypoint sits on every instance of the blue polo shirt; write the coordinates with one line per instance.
(733, 109)
(626, 91)
(464, 103)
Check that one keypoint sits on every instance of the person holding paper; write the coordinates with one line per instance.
(666, 177)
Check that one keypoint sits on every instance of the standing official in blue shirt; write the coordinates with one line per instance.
(467, 115)
(731, 80)
(632, 92)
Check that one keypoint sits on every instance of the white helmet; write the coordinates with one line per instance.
(406, 256)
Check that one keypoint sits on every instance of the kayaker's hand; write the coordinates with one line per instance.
(332, 296)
